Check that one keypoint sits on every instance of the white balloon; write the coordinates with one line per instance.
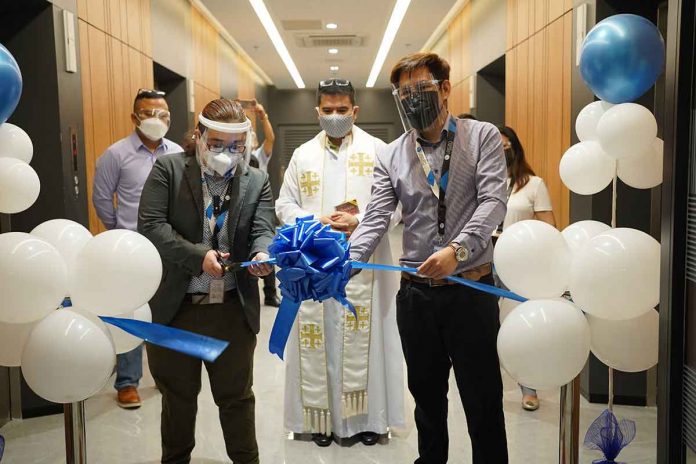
(629, 345)
(645, 170)
(67, 236)
(123, 341)
(616, 274)
(626, 129)
(533, 260)
(33, 278)
(19, 186)
(15, 143)
(578, 233)
(586, 169)
(116, 272)
(544, 344)
(587, 120)
(68, 357)
(12, 340)
(506, 306)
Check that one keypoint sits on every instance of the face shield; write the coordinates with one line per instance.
(224, 148)
(418, 103)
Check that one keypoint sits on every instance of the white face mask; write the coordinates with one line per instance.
(336, 125)
(216, 163)
(153, 128)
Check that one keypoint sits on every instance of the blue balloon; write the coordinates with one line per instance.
(622, 57)
(10, 84)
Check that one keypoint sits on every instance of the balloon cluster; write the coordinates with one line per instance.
(66, 355)
(612, 274)
(621, 58)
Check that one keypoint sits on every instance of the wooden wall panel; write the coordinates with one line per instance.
(522, 31)
(454, 32)
(511, 19)
(541, 14)
(115, 20)
(466, 56)
(133, 10)
(145, 27)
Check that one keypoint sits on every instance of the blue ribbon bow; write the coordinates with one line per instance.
(610, 436)
(314, 265)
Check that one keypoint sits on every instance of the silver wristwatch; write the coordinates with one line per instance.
(460, 252)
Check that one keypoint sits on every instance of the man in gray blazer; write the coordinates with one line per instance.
(199, 208)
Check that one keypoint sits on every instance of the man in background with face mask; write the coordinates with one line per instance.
(122, 170)
(449, 175)
(344, 376)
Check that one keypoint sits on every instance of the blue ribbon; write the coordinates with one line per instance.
(466, 282)
(609, 435)
(192, 344)
(314, 265)
(2, 446)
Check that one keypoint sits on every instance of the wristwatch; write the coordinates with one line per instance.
(460, 252)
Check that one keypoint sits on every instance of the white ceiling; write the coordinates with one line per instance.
(365, 18)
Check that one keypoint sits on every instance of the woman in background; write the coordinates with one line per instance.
(528, 198)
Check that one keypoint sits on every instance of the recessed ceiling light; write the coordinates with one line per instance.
(389, 35)
(265, 17)
(332, 26)
(333, 51)
(334, 68)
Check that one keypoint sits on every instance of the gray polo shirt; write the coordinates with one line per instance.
(475, 199)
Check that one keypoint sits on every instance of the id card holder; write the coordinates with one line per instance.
(217, 291)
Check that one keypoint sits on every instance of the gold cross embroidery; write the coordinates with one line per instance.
(309, 183)
(361, 164)
(363, 321)
(311, 336)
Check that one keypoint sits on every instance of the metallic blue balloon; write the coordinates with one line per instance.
(622, 57)
(10, 84)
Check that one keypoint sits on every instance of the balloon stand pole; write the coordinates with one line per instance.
(610, 401)
(75, 433)
(569, 427)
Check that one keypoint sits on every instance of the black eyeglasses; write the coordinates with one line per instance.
(335, 82)
(144, 91)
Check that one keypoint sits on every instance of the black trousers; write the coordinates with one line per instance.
(445, 327)
(178, 378)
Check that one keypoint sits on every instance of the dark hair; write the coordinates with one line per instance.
(437, 66)
(222, 110)
(467, 116)
(520, 170)
(147, 94)
(336, 89)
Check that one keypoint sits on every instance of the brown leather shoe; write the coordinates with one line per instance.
(128, 398)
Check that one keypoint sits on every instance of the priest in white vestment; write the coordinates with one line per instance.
(344, 375)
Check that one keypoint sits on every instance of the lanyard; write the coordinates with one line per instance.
(216, 210)
(439, 189)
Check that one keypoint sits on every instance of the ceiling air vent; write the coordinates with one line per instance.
(324, 40)
(302, 25)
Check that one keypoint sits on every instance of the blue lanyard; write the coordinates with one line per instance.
(440, 189)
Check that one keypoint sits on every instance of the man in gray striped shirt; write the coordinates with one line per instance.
(449, 176)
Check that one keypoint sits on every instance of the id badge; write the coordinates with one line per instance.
(216, 294)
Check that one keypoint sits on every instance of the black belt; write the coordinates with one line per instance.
(202, 298)
(475, 274)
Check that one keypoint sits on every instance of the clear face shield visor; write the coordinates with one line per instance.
(418, 102)
(231, 144)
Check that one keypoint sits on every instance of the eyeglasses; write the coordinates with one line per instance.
(145, 91)
(237, 148)
(153, 113)
(335, 82)
(420, 86)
